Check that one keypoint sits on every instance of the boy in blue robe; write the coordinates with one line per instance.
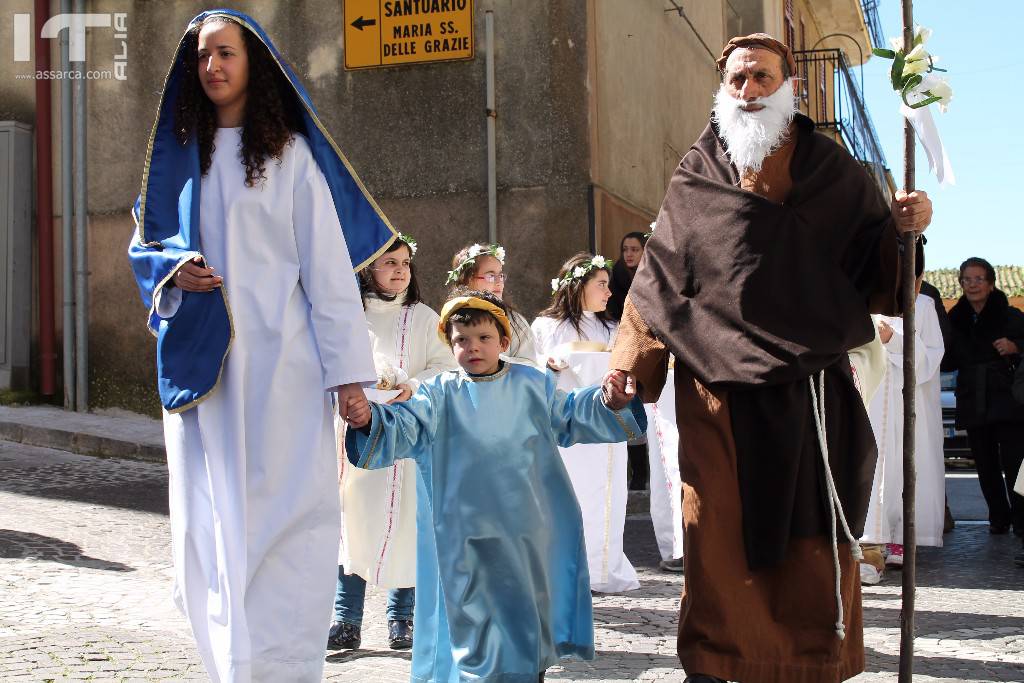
(502, 588)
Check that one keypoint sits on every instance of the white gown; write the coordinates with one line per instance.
(885, 510)
(253, 475)
(666, 483)
(597, 471)
(522, 348)
(378, 539)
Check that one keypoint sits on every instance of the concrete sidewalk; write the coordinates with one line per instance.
(121, 435)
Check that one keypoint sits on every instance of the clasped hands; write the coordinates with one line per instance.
(618, 388)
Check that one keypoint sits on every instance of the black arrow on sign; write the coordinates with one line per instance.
(360, 23)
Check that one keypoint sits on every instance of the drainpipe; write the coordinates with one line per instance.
(492, 181)
(44, 206)
(81, 239)
(66, 213)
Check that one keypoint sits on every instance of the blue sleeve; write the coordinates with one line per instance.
(153, 265)
(399, 431)
(580, 416)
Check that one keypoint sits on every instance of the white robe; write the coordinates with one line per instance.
(522, 348)
(597, 471)
(378, 539)
(253, 475)
(885, 510)
(666, 484)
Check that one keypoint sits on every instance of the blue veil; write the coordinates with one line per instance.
(193, 344)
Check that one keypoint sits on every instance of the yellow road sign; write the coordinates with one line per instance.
(390, 32)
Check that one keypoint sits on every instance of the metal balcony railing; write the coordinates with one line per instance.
(871, 20)
(831, 97)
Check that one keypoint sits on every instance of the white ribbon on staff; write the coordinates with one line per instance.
(928, 133)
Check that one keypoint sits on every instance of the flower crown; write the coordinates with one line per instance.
(409, 241)
(579, 272)
(476, 250)
(650, 233)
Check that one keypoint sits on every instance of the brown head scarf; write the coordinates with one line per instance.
(758, 40)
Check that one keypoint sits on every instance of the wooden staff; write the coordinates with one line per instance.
(908, 295)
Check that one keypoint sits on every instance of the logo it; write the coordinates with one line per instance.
(75, 25)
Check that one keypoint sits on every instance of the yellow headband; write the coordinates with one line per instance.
(461, 302)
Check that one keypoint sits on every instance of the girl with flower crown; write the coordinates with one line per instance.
(481, 267)
(573, 337)
(378, 540)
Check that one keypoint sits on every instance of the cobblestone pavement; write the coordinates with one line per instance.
(85, 583)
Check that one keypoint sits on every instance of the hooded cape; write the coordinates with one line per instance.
(193, 343)
(754, 297)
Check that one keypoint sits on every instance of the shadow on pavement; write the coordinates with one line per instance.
(353, 655)
(24, 545)
(943, 667)
(629, 666)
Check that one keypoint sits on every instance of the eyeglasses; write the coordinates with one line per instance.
(973, 280)
(493, 277)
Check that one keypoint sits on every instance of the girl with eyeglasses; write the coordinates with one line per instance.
(481, 267)
(378, 538)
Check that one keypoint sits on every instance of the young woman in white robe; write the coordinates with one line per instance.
(253, 499)
(884, 523)
(573, 336)
(378, 540)
(481, 267)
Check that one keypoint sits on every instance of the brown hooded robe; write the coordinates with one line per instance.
(756, 285)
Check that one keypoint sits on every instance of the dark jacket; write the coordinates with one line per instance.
(1018, 384)
(622, 278)
(984, 377)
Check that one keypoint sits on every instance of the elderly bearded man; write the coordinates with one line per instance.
(771, 248)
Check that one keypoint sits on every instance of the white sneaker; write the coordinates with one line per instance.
(869, 576)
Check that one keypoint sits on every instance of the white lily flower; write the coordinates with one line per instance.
(499, 254)
(896, 43)
(579, 271)
(475, 251)
(938, 87)
(554, 284)
(918, 66)
(922, 34)
(918, 54)
(598, 261)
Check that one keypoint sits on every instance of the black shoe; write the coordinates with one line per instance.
(703, 678)
(343, 636)
(400, 634)
(998, 529)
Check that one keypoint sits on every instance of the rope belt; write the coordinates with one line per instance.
(835, 506)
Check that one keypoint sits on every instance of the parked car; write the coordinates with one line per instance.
(954, 445)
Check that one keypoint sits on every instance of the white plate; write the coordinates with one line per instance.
(381, 395)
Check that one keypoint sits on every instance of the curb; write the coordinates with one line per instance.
(80, 442)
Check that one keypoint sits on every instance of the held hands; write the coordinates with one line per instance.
(618, 389)
(911, 211)
(194, 277)
(1005, 347)
(353, 407)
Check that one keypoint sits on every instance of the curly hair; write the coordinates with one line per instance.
(568, 303)
(271, 109)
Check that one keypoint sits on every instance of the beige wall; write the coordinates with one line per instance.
(416, 135)
(651, 86)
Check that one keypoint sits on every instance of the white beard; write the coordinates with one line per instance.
(750, 136)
